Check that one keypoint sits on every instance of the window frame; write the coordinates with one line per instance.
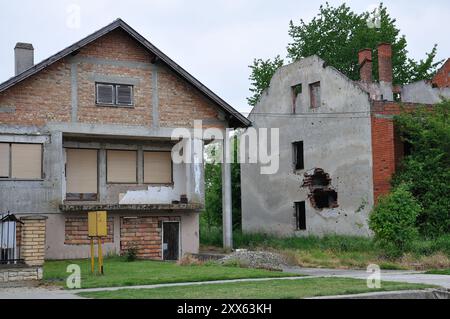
(296, 90)
(115, 93)
(143, 169)
(295, 155)
(137, 167)
(10, 178)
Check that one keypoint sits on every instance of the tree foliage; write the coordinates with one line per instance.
(393, 220)
(336, 34)
(427, 169)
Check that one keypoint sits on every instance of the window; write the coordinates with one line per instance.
(300, 216)
(81, 174)
(299, 162)
(21, 161)
(121, 166)
(296, 90)
(158, 168)
(314, 93)
(114, 94)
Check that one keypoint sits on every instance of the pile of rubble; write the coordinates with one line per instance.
(255, 259)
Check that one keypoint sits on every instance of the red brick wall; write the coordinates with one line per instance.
(76, 231)
(46, 96)
(442, 78)
(387, 148)
(143, 233)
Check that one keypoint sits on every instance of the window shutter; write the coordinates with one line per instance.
(158, 167)
(124, 94)
(26, 161)
(105, 94)
(81, 171)
(121, 166)
(4, 160)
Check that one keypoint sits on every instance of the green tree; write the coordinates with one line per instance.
(427, 169)
(336, 34)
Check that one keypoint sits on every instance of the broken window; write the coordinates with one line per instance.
(321, 195)
(296, 90)
(300, 216)
(298, 155)
(314, 93)
(121, 166)
(21, 161)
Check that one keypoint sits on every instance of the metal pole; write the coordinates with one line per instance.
(100, 256)
(226, 195)
(92, 256)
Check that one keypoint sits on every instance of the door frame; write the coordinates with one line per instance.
(179, 238)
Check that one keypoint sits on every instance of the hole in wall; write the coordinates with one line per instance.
(321, 195)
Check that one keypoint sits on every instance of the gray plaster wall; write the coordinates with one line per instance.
(423, 92)
(337, 138)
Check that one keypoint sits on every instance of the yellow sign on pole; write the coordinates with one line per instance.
(97, 228)
(97, 224)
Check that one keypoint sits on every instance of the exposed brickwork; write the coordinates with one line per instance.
(46, 96)
(180, 103)
(18, 274)
(143, 233)
(442, 77)
(385, 62)
(76, 231)
(32, 249)
(387, 148)
(365, 65)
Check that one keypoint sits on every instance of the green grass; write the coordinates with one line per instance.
(121, 273)
(335, 251)
(275, 289)
(439, 272)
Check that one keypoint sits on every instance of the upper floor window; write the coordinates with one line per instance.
(114, 94)
(296, 91)
(314, 93)
(121, 166)
(158, 168)
(21, 161)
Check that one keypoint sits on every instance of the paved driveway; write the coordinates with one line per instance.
(36, 293)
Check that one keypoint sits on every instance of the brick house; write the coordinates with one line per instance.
(338, 145)
(89, 129)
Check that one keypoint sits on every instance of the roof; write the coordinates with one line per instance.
(234, 117)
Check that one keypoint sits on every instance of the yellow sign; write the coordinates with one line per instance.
(97, 224)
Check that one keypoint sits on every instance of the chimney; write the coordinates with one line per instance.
(24, 57)
(365, 65)
(385, 62)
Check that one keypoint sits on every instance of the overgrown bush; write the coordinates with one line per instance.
(131, 253)
(427, 168)
(393, 220)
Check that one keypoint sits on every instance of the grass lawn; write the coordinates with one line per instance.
(439, 272)
(276, 289)
(338, 251)
(121, 273)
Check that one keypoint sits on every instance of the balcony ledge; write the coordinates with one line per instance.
(86, 207)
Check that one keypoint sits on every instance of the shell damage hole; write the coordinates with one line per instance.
(321, 195)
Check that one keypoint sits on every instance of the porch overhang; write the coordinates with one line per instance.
(71, 208)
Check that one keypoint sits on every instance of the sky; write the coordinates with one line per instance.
(214, 40)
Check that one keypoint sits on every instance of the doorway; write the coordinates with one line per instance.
(171, 240)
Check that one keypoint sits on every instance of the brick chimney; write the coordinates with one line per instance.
(24, 57)
(365, 65)
(385, 62)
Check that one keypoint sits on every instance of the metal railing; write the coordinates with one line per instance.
(10, 240)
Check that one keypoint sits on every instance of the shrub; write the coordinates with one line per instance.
(131, 253)
(393, 220)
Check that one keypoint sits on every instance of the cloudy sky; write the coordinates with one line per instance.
(215, 40)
